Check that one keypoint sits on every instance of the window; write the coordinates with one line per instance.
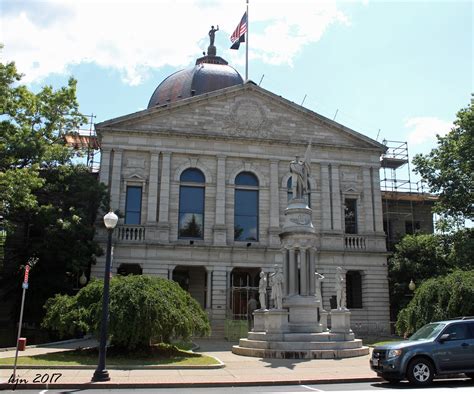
(457, 331)
(354, 289)
(191, 204)
(133, 205)
(412, 227)
(129, 269)
(307, 197)
(246, 207)
(350, 215)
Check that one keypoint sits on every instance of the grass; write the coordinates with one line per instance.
(156, 355)
(377, 341)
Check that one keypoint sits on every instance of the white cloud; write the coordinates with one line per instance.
(425, 128)
(48, 36)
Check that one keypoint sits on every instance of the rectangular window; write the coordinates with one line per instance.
(133, 205)
(191, 212)
(246, 215)
(350, 215)
(412, 227)
(354, 289)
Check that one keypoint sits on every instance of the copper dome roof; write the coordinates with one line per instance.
(210, 73)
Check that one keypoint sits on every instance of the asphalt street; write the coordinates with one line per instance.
(459, 386)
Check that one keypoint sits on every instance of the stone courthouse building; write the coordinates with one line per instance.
(201, 178)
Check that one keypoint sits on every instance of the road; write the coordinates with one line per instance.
(459, 386)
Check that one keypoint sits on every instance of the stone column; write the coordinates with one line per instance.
(303, 273)
(209, 289)
(325, 198)
(220, 229)
(336, 198)
(153, 188)
(285, 271)
(170, 272)
(292, 268)
(312, 269)
(368, 208)
(163, 225)
(274, 205)
(115, 181)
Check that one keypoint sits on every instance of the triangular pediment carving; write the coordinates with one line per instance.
(245, 112)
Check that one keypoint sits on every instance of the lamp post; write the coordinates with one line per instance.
(101, 374)
(412, 285)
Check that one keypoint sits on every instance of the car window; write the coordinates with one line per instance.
(471, 329)
(428, 331)
(457, 331)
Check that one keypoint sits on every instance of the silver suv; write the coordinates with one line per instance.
(440, 348)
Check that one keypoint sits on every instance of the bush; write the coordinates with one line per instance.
(440, 298)
(142, 309)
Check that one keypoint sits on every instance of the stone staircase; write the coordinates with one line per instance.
(325, 345)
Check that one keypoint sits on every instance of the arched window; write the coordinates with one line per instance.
(354, 289)
(246, 207)
(289, 188)
(191, 204)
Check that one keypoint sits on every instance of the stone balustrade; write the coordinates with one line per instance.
(354, 242)
(131, 233)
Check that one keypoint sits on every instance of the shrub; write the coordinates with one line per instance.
(440, 298)
(142, 309)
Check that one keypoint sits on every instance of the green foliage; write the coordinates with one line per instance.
(423, 256)
(449, 170)
(437, 299)
(142, 309)
(32, 127)
(48, 204)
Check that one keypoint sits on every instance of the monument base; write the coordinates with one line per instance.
(341, 321)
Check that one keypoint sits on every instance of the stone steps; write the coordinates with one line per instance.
(301, 354)
(300, 346)
(301, 337)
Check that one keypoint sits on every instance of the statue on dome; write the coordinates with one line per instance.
(300, 171)
(212, 35)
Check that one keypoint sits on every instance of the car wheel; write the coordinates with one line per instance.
(391, 380)
(470, 375)
(420, 372)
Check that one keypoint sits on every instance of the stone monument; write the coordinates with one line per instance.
(296, 326)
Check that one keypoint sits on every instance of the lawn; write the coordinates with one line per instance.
(377, 341)
(156, 355)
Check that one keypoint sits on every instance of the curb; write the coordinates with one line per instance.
(48, 344)
(109, 385)
(219, 365)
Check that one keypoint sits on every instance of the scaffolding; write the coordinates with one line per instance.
(86, 139)
(398, 190)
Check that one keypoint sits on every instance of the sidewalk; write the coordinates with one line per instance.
(238, 370)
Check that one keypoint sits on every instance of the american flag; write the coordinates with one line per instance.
(238, 35)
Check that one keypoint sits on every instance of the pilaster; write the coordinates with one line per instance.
(115, 181)
(153, 188)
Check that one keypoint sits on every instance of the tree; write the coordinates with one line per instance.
(438, 299)
(422, 256)
(449, 170)
(142, 309)
(32, 127)
(48, 203)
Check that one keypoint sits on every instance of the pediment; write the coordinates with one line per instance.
(244, 112)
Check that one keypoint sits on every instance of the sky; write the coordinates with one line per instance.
(394, 70)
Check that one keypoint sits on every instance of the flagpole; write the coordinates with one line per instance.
(247, 46)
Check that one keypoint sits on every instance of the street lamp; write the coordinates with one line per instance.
(412, 285)
(101, 374)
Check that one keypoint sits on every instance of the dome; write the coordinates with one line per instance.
(209, 74)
